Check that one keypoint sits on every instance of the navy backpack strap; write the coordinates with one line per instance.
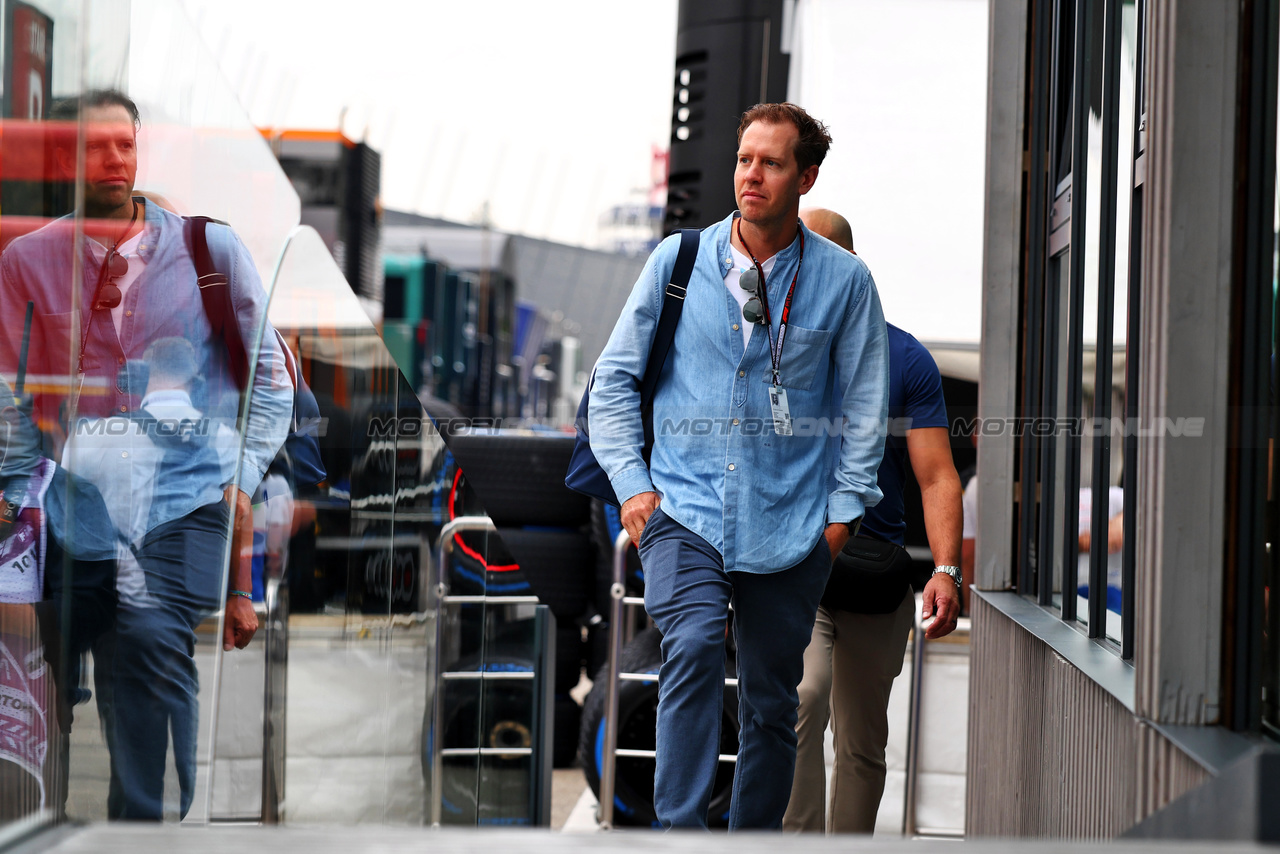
(669, 319)
(584, 474)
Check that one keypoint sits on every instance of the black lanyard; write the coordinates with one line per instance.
(775, 353)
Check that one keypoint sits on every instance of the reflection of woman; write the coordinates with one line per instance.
(34, 497)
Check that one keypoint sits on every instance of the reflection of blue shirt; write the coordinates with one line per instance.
(163, 302)
(761, 499)
(915, 400)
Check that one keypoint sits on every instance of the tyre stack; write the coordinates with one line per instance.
(637, 720)
(545, 530)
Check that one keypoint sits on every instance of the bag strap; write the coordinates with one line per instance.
(672, 306)
(215, 294)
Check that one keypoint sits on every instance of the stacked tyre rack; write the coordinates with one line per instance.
(573, 556)
(544, 548)
(491, 713)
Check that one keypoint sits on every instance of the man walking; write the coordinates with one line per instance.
(139, 286)
(861, 629)
(781, 353)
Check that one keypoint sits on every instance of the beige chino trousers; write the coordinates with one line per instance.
(849, 668)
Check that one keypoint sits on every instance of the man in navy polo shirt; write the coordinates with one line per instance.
(861, 630)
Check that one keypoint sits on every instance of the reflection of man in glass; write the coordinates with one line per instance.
(139, 286)
(41, 641)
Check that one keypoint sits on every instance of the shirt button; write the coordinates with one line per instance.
(742, 373)
(735, 422)
(128, 314)
(735, 327)
(120, 360)
(124, 455)
(124, 409)
(730, 466)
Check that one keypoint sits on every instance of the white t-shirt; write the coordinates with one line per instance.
(742, 263)
(129, 251)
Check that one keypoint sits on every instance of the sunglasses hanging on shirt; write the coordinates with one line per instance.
(752, 311)
(756, 310)
(108, 294)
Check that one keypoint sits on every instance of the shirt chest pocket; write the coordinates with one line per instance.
(805, 354)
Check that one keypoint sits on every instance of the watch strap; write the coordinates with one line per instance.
(954, 571)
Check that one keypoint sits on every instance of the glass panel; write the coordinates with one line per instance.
(1077, 546)
(1120, 317)
(1271, 622)
(1064, 65)
(1054, 471)
(131, 406)
(124, 423)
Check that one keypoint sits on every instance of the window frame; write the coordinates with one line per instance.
(1052, 353)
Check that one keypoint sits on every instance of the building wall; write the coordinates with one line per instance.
(1054, 749)
(1051, 753)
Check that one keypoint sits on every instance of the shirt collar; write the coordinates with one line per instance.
(155, 230)
(725, 257)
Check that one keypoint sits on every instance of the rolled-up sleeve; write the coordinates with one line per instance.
(862, 356)
(617, 431)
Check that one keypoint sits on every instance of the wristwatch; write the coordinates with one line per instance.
(953, 571)
(854, 527)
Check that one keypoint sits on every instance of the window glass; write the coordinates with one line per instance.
(1084, 323)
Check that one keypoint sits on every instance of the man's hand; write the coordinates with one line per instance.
(240, 622)
(941, 601)
(636, 511)
(837, 535)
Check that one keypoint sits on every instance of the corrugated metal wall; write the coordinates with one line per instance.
(1051, 753)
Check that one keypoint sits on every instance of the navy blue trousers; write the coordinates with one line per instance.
(145, 669)
(687, 593)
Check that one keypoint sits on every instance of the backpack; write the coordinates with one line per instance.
(301, 445)
(585, 474)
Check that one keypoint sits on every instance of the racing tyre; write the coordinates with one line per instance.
(637, 717)
(556, 564)
(520, 478)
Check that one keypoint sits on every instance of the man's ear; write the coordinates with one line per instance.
(64, 160)
(808, 178)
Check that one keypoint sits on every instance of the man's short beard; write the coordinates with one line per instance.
(95, 209)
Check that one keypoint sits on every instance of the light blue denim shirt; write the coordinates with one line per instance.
(761, 499)
(163, 302)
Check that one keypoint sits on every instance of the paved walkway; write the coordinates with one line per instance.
(135, 839)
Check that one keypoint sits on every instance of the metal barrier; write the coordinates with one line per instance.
(444, 550)
(910, 788)
(913, 724)
(609, 760)
(272, 638)
(275, 681)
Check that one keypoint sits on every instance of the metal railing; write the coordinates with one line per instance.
(911, 785)
(619, 601)
(440, 585)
